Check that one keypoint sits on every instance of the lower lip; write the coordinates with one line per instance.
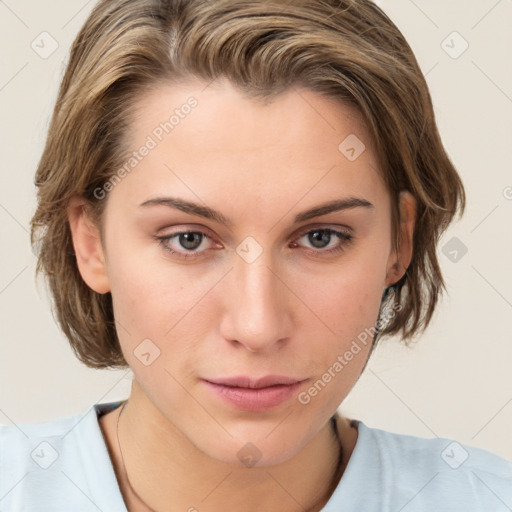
(249, 399)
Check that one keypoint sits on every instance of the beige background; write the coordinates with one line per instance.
(456, 382)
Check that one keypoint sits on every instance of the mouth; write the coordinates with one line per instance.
(252, 394)
(250, 383)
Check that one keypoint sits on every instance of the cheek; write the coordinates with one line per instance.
(345, 298)
(150, 293)
(338, 338)
(155, 321)
(348, 306)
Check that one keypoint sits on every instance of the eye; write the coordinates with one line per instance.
(187, 244)
(322, 237)
(188, 241)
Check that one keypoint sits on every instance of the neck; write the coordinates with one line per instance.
(158, 466)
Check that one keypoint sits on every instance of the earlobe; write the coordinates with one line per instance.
(401, 259)
(87, 245)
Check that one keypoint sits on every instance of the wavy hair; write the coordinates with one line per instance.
(347, 50)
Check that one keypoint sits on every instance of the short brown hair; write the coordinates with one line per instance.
(348, 50)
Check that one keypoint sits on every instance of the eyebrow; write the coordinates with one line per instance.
(209, 213)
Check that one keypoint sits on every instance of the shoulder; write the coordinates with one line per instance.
(389, 471)
(64, 462)
(430, 468)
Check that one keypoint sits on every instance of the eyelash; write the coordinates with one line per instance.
(344, 236)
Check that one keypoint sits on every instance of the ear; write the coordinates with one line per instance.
(400, 259)
(87, 245)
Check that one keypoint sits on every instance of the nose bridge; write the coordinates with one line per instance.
(256, 314)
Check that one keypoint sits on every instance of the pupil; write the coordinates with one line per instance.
(324, 237)
(188, 240)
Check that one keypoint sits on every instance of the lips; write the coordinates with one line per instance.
(254, 395)
(248, 382)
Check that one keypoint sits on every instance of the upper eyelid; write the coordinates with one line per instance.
(298, 233)
(300, 230)
(319, 225)
(306, 227)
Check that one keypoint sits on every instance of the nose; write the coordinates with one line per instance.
(257, 305)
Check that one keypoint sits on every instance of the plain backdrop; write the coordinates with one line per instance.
(455, 382)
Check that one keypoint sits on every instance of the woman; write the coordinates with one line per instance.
(237, 199)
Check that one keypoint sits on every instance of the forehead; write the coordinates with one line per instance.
(211, 137)
(221, 110)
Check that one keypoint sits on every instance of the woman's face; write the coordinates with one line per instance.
(259, 287)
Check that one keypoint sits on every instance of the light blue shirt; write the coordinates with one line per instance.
(64, 466)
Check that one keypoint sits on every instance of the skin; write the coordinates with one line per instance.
(292, 311)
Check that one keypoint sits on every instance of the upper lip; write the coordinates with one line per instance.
(248, 382)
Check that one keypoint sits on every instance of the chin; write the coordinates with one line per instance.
(257, 450)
